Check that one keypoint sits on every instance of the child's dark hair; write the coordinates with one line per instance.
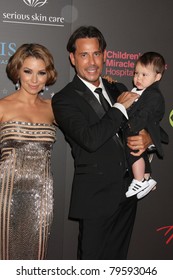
(154, 59)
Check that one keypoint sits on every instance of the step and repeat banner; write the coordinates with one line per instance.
(130, 28)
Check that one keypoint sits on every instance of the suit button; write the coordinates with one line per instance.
(120, 163)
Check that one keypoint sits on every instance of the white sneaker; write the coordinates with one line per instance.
(152, 185)
(136, 187)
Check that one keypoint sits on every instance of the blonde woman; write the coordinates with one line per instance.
(27, 134)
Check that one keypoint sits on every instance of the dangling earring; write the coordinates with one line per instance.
(17, 86)
(45, 88)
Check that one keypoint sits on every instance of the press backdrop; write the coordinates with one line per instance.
(130, 28)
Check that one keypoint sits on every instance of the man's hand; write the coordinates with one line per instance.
(127, 98)
(109, 79)
(139, 142)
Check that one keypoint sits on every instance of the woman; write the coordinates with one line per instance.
(27, 134)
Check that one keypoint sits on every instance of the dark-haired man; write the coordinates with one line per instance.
(98, 201)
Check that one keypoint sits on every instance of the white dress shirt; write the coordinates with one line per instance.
(92, 88)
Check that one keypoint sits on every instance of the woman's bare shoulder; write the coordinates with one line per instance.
(6, 103)
(8, 98)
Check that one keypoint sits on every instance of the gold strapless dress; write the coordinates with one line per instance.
(26, 189)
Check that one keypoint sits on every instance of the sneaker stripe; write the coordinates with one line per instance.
(136, 187)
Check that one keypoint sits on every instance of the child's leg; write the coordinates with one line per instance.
(138, 169)
(147, 176)
(139, 183)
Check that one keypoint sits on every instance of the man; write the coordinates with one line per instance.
(98, 201)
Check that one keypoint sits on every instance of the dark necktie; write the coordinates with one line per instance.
(103, 101)
(106, 107)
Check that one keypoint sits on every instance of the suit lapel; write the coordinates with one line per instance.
(136, 104)
(110, 96)
(85, 92)
(94, 103)
(146, 92)
(113, 90)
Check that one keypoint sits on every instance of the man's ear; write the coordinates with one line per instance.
(72, 59)
(104, 56)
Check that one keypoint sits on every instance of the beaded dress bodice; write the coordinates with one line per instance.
(26, 189)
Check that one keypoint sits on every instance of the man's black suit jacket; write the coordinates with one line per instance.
(99, 159)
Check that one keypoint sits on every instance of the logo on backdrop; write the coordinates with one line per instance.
(168, 232)
(35, 3)
(6, 50)
(171, 118)
(33, 18)
(120, 63)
